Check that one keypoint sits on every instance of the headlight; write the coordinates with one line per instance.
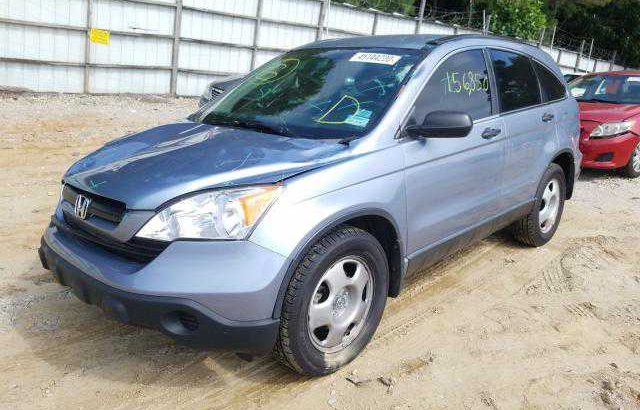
(610, 129)
(221, 214)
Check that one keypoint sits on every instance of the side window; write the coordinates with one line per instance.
(461, 83)
(516, 80)
(552, 88)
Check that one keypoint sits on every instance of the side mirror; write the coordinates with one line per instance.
(442, 124)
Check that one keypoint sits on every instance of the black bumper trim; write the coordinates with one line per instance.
(172, 316)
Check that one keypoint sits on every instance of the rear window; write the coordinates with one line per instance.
(552, 88)
(516, 79)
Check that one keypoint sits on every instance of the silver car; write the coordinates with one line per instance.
(282, 216)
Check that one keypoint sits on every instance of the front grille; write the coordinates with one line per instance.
(136, 249)
(215, 93)
(101, 207)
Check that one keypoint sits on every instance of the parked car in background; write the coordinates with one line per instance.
(610, 120)
(571, 77)
(282, 217)
(217, 88)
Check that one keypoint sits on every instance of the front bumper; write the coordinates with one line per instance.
(187, 299)
(608, 153)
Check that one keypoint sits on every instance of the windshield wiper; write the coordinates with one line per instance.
(248, 124)
(261, 127)
(347, 140)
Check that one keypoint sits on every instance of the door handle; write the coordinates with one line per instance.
(548, 117)
(489, 133)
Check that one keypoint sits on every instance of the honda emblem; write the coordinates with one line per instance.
(81, 208)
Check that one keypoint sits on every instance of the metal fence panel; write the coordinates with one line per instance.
(44, 46)
(237, 7)
(552, 52)
(68, 12)
(350, 19)
(602, 66)
(275, 35)
(205, 26)
(41, 43)
(568, 59)
(126, 16)
(295, 11)
(193, 84)
(126, 50)
(394, 25)
(122, 80)
(41, 78)
(435, 28)
(196, 56)
(264, 56)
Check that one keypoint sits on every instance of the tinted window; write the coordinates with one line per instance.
(516, 80)
(552, 88)
(460, 83)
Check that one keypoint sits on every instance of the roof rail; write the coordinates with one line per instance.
(454, 37)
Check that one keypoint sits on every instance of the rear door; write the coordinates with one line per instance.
(554, 94)
(530, 125)
(452, 184)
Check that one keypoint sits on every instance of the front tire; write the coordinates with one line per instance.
(334, 302)
(632, 170)
(539, 226)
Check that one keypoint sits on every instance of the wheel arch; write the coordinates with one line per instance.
(377, 222)
(566, 160)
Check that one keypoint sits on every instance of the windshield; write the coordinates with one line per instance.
(615, 89)
(318, 93)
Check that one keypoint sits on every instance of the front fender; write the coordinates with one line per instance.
(315, 202)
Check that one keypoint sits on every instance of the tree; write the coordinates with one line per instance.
(613, 25)
(517, 18)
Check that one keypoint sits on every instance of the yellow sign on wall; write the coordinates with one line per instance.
(99, 36)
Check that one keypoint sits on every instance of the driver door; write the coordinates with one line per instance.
(452, 184)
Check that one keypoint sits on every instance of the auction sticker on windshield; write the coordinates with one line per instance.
(375, 58)
(359, 119)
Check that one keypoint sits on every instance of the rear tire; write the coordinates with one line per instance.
(539, 226)
(632, 170)
(334, 302)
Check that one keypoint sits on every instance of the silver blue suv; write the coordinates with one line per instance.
(283, 215)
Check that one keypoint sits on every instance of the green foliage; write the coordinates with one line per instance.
(517, 18)
(612, 24)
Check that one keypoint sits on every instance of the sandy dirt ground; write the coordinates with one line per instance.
(496, 326)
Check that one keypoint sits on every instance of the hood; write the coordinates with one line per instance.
(605, 112)
(147, 169)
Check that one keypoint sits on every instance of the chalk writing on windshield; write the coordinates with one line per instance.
(347, 102)
(286, 67)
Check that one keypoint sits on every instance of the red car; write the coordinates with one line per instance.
(610, 120)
